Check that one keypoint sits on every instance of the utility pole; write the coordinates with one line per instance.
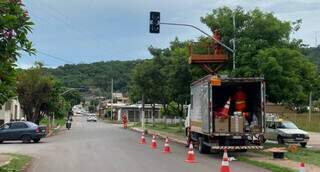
(234, 40)
(111, 99)
(142, 113)
(310, 105)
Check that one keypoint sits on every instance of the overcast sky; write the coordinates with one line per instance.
(85, 31)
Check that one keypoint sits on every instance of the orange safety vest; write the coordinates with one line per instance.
(240, 100)
(124, 118)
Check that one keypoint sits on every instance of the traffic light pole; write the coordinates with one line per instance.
(189, 25)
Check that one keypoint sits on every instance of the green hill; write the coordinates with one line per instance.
(96, 76)
(313, 53)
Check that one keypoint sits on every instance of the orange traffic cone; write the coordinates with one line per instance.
(224, 113)
(166, 148)
(225, 162)
(153, 142)
(143, 139)
(190, 157)
(301, 168)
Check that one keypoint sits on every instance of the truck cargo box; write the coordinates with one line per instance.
(207, 99)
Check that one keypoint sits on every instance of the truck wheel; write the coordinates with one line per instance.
(280, 140)
(204, 149)
(303, 144)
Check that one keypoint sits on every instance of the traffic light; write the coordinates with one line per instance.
(154, 22)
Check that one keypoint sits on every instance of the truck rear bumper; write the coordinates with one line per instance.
(237, 147)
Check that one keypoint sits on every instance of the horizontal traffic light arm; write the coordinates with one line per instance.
(189, 25)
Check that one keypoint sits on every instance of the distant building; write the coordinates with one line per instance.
(11, 111)
(133, 112)
(119, 98)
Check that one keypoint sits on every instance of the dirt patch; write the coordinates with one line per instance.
(4, 159)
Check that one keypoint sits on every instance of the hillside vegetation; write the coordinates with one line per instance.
(96, 75)
(313, 54)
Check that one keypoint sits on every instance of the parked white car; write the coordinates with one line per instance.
(286, 132)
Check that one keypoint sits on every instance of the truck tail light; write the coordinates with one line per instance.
(37, 130)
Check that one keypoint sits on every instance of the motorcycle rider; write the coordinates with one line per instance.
(69, 120)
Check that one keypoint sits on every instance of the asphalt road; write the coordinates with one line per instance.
(105, 147)
(314, 141)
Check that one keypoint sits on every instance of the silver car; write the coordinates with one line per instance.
(286, 132)
(92, 118)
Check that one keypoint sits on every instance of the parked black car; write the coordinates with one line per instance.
(22, 130)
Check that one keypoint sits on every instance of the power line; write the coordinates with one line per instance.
(55, 57)
(59, 16)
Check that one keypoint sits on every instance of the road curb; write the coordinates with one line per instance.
(161, 135)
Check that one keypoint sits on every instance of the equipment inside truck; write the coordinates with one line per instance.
(252, 112)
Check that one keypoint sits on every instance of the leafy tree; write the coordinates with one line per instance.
(164, 78)
(264, 48)
(15, 24)
(34, 92)
(255, 30)
(91, 108)
(287, 70)
(94, 102)
(73, 97)
(40, 95)
(146, 84)
(58, 106)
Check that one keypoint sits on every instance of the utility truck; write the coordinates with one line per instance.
(225, 112)
(236, 131)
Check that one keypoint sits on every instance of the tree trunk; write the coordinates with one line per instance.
(180, 123)
(153, 112)
(165, 115)
(49, 125)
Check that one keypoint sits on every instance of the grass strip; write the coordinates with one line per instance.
(305, 155)
(303, 122)
(17, 163)
(58, 121)
(265, 165)
(161, 127)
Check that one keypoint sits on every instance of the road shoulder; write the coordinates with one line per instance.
(253, 158)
